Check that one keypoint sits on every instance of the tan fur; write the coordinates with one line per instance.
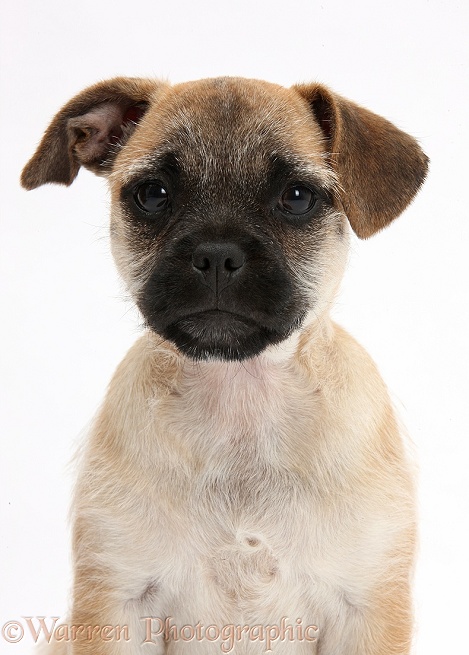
(235, 493)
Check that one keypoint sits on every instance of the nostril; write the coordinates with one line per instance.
(201, 263)
(233, 263)
(235, 258)
(221, 256)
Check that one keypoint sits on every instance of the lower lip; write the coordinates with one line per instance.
(219, 314)
(218, 319)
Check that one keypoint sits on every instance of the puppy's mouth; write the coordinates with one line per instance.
(220, 334)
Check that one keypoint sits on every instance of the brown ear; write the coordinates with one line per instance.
(380, 168)
(87, 130)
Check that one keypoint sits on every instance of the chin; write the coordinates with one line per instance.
(222, 336)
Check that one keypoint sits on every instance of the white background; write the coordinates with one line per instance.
(66, 322)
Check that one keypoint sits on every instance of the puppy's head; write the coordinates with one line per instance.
(231, 198)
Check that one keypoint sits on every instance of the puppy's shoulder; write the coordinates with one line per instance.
(334, 355)
(144, 377)
(345, 372)
(149, 369)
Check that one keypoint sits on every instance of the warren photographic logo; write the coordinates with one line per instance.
(155, 630)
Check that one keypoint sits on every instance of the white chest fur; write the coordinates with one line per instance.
(238, 556)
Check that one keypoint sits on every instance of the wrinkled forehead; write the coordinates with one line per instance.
(223, 124)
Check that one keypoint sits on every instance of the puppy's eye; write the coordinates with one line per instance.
(151, 197)
(297, 200)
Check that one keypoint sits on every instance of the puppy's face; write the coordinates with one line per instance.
(231, 199)
(223, 219)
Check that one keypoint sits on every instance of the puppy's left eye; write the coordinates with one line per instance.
(297, 200)
(151, 197)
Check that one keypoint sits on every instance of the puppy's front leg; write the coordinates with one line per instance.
(384, 627)
(121, 512)
(113, 592)
(103, 624)
(93, 609)
(388, 623)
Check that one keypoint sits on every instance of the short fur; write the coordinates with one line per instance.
(246, 465)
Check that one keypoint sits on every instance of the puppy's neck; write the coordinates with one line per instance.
(241, 411)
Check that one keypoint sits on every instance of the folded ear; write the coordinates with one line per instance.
(87, 130)
(380, 168)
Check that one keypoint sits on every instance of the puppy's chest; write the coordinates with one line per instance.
(244, 503)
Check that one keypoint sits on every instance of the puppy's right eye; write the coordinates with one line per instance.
(297, 200)
(151, 197)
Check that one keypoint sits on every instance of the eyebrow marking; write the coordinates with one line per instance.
(153, 160)
(291, 164)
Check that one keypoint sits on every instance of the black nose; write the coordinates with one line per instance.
(218, 263)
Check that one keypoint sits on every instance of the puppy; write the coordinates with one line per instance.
(245, 487)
